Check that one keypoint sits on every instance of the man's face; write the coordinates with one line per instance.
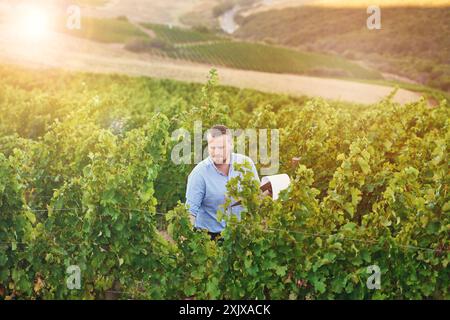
(219, 148)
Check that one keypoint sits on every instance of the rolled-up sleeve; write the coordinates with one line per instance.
(195, 192)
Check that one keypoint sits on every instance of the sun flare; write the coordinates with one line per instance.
(33, 23)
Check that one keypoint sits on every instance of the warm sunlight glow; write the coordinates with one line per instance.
(32, 23)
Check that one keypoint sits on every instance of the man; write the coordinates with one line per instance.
(206, 187)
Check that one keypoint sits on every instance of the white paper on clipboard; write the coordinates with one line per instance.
(279, 183)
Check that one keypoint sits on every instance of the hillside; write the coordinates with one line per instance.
(414, 41)
(208, 48)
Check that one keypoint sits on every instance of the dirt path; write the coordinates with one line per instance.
(265, 5)
(62, 51)
(150, 33)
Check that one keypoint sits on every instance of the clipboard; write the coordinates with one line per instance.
(272, 185)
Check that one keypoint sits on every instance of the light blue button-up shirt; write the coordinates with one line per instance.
(206, 191)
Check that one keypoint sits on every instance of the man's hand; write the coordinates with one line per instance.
(267, 193)
(192, 219)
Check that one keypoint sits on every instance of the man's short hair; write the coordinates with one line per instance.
(219, 130)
